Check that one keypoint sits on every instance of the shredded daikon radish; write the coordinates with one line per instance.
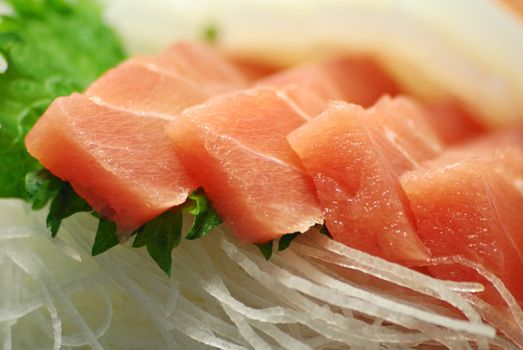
(385, 270)
(490, 314)
(222, 295)
(235, 300)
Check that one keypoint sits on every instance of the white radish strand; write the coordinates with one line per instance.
(341, 300)
(496, 282)
(252, 269)
(55, 320)
(35, 267)
(397, 274)
(500, 321)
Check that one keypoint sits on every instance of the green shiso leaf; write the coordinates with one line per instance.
(41, 186)
(65, 204)
(160, 236)
(283, 243)
(52, 48)
(265, 249)
(205, 219)
(286, 240)
(106, 237)
(325, 231)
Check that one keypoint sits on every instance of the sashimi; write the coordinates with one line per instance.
(468, 203)
(356, 80)
(181, 76)
(235, 147)
(310, 87)
(121, 163)
(254, 69)
(355, 157)
(453, 122)
(200, 64)
(110, 143)
(136, 86)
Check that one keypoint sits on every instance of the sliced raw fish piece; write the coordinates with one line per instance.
(235, 147)
(355, 157)
(121, 163)
(311, 86)
(181, 76)
(136, 86)
(200, 64)
(468, 203)
(453, 122)
(117, 155)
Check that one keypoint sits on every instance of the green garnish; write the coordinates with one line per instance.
(41, 186)
(265, 249)
(52, 48)
(161, 236)
(283, 243)
(63, 205)
(210, 33)
(106, 237)
(205, 217)
(325, 231)
(286, 240)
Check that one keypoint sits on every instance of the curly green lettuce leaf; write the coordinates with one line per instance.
(52, 48)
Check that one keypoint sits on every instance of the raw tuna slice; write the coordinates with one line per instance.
(453, 122)
(254, 69)
(235, 146)
(121, 163)
(112, 147)
(468, 202)
(312, 86)
(136, 86)
(181, 76)
(309, 87)
(355, 157)
(200, 64)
